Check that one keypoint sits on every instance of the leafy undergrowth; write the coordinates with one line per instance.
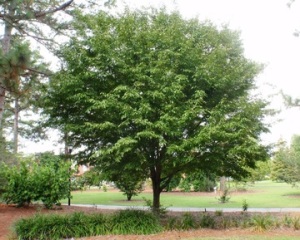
(79, 224)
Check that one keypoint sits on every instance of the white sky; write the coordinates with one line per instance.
(267, 28)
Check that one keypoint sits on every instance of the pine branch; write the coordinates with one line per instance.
(61, 7)
(35, 15)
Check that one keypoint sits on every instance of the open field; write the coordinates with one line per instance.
(265, 194)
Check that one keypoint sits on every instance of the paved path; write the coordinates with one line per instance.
(193, 209)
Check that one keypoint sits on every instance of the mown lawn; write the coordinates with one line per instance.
(265, 194)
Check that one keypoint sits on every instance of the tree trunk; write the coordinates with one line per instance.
(16, 125)
(222, 184)
(129, 196)
(6, 41)
(156, 180)
(2, 102)
(156, 199)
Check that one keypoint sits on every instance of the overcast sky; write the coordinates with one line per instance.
(267, 28)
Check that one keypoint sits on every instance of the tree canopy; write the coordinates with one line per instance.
(286, 162)
(160, 93)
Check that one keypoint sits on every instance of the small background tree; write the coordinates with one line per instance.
(286, 162)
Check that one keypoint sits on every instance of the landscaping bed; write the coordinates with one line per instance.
(9, 214)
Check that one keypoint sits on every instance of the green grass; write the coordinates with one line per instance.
(265, 194)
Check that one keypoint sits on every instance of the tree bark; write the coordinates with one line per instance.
(6, 42)
(222, 184)
(16, 125)
(156, 180)
(2, 102)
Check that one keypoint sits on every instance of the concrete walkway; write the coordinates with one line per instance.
(192, 209)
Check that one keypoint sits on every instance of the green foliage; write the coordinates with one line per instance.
(30, 181)
(21, 185)
(188, 222)
(262, 222)
(261, 172)
(219, 213)
(207, 221)
(158, 93)
(286, 163)
(135, 222)
(78, 225)
(173, 184)
(198, 182)
(130, 187)
(7, 158)
(51, 180)
(127, 179)
(93, 177)
(55, 226)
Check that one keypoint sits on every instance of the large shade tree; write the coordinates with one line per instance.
(159, 93)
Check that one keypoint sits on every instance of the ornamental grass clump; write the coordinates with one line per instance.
(135, 222)
(262, 222)
(188, 221)
(57, 226)
(207, 221)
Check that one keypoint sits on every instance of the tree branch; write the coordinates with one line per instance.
(36, 14)
(39, 72)
(61, 7)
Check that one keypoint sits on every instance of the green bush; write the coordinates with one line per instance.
(52, 183)
(198, 182)
(20, 185)
(46, 181)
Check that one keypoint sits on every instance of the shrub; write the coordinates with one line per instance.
(47, 181)
(21, 185)
(245, 205)
(52, 183)
(130, 187)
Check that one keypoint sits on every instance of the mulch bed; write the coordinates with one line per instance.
(10, 213)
